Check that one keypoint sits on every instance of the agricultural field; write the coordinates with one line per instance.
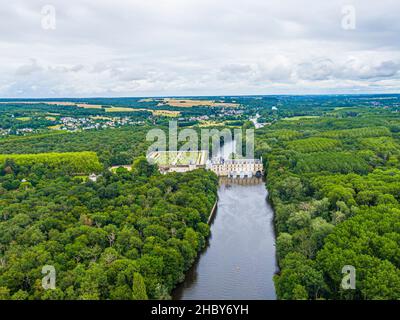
(122, 109)
(24, 119)
(89, 106)
(166, 113)
(188, 103)
(300, 118)
(55, 127)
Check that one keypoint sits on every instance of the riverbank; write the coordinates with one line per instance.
(213, 211)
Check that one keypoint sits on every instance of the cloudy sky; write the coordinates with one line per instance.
(198, 47)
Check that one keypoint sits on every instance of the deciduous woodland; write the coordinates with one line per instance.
(130, 235)
(335, 187)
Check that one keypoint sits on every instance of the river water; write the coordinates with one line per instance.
(239, 261)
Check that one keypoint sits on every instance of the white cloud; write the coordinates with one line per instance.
(185, 47)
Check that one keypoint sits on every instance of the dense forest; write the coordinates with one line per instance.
(334, 182)
(130, 235)
(114, 147)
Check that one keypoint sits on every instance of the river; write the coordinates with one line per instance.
(239, 260)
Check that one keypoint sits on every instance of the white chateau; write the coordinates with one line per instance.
(237, 168)
(183, 161)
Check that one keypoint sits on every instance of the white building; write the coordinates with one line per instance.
(93, 177)
(238, 168)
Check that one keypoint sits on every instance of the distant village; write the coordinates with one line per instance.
(73, 124)
(22, 131)
(76, 124)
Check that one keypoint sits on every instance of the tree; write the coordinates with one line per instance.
(299, 220)
(192, 238)
(299, 293)
(297, 270)
(290, 188)
(340, 193)
(142, 168)
(369, 242)
(4, 293)
(284, 245)
(138, 288)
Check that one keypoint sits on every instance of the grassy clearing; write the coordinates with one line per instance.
(205, 124)
(166, 113)
(89, 106)
(300, 118)
(56, 127)
(121, 109)
(115, 168)
(100, 118)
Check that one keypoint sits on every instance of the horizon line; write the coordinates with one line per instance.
(202, 96)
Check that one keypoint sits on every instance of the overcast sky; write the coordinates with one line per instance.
(198, 47)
